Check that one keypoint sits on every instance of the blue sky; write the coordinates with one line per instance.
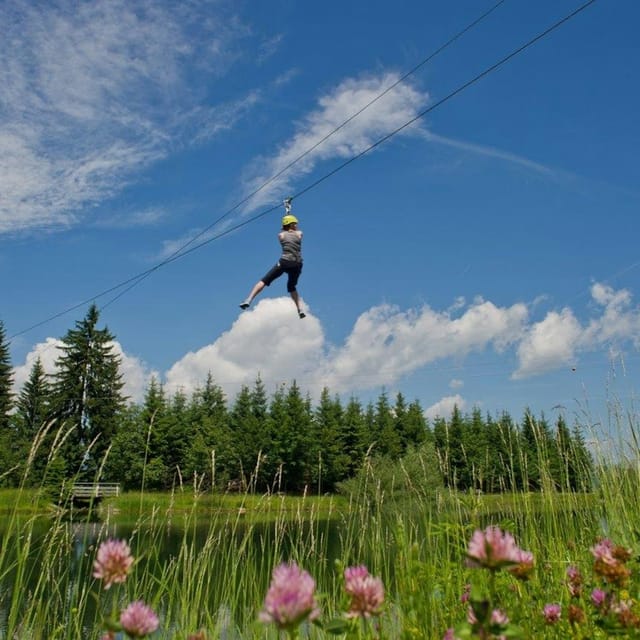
(486, 255)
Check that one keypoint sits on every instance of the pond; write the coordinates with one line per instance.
(229, 559)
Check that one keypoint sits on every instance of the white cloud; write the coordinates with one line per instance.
(94, 92)
(270, 341)
(559, 337)
(492, 152)
(444, 407)
(384, 345)
(387, 343)
(48, 353)
(136, 375)
(390, 112)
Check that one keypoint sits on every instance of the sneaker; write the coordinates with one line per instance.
(245, 305)
(301, 314)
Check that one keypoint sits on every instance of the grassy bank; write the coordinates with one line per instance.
(204, 562)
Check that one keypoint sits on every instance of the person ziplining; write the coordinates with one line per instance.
(290, 261)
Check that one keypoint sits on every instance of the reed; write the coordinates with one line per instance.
(204, 559)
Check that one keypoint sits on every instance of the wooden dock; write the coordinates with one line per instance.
(85, 492)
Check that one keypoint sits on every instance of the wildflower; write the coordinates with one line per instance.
(602, 551)
(574, 578)
(598, 598)
(609, 562)
(367, 592)
(449, 634)
(466, 593)
(523, 569)
(499, 617)
(138, 619)
(551, 613)
(492, 549)
(290, 598)
(576, 614)
(113, 562)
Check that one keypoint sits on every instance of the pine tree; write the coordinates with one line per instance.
(127, 462)
(6, 382)
(476, 451)
(32, 415)
(581, 463)
(210, 428)
(328, 443)
(389, 442)
(88, 394)
(416, 430)
(244, 443)
(155, 426)
(458, 476)
(290, 439)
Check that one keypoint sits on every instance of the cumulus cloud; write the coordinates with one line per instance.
(393, 110)
(48, 353)
(444, 407)
(385, 344)
(94, 92)
(136, 375)
(559, 338)
(270, 341)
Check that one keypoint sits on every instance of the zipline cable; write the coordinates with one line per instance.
(134, 280)
(184, 251)
(440, 49)
(386, 137)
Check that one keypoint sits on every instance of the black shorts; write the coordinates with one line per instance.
(292, 269)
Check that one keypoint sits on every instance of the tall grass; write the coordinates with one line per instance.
(203, 560)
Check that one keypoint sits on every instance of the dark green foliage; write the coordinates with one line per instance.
(87, 394)
(34, 433)
(288, 454)
(282, 443)
(6, 382)
(329, 444)
(417, 473)
(7, 454)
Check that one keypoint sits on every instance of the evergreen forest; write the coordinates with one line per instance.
(77, 424)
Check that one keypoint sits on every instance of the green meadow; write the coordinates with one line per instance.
(203, 560)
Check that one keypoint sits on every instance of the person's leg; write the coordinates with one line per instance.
(275, 272)
(292, 281)
(296, 298)
(257, 288)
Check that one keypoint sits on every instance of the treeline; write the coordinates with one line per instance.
(78, 424)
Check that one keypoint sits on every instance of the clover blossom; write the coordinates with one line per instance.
(113, 562)
(522, 570)
(290, 598)
(139, 620)
(552, 613)
(574, 580)
(367, 592)
(598, 598)
(493, 549)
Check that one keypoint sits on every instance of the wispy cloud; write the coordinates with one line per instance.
(493, 152)
(385, 115)
(94, 92)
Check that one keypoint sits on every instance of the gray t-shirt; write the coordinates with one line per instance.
(291, 242)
